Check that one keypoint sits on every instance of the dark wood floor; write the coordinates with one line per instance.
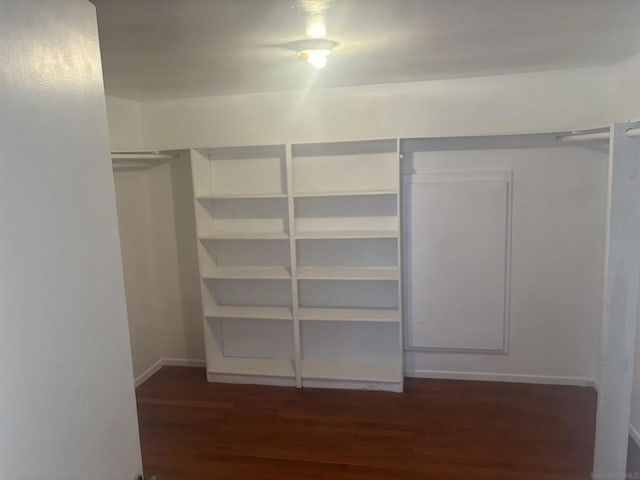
(437, 429)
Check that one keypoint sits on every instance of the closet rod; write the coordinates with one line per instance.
(584, 137)
(141, 156)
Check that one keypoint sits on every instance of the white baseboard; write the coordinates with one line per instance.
(502, 377)
(173, 362)
(183, 362)
(395, 387)
(251, 379)
(148, 373)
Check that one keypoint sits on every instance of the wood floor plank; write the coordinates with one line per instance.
(439, 429)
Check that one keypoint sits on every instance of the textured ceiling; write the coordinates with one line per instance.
(179, 48)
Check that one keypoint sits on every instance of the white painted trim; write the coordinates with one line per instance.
(183, 362)
(148, 373)
(173, 362)
(395, 387)
(633, 431)
(503, 377)
(454, 176)
(265, 380)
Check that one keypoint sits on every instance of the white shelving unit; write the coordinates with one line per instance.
(267, 313)
(337, 234)
(350, 314)
(247, 273)
(348, 273)
(299, 251)
(249, 235)
(241, 210)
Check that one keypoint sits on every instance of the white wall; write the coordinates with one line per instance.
(125, 127)
(160, 266)
(558, 231)
(67, 399)
(533, 102)
(173, 242)
(139, 277)
(624, 90)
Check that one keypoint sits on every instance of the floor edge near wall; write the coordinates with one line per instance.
(173, 362)
(416, 373)
(503, 377)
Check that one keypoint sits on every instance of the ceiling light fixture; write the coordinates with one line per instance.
(316, 27)
(315, 51)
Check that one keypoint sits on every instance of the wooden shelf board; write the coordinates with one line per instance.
(258, 273)
(381, 315)
(348, 273)
(316, 369)
(222, 235)
(233, 196)
(347, 193)
(251, 366)
(261, 313)
(345, 234)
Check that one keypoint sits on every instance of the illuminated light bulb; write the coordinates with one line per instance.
(318, 58)
(315, 51)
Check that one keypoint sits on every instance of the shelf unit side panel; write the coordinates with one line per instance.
(200, 172)
(293, 265)
(201, 183)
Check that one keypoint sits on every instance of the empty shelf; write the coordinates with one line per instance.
(258, 273)
(350, 314)
(251, 366)
(221, 235)
(347, 193)
(348, 273)
(372, 372)
(231, 196)
(330, 234)
(266, 313)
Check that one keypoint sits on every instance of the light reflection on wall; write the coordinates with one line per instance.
(51, 62)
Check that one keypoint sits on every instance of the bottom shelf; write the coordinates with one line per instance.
(360, 372)
(252, 367)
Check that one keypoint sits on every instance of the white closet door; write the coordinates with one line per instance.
(457, 260)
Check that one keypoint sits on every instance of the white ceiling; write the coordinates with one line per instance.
(179, 48)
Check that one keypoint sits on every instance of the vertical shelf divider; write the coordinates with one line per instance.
(399, 194)
(293, 266)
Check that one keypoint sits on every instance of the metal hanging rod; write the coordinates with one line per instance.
(585, 137)
(139, 155)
